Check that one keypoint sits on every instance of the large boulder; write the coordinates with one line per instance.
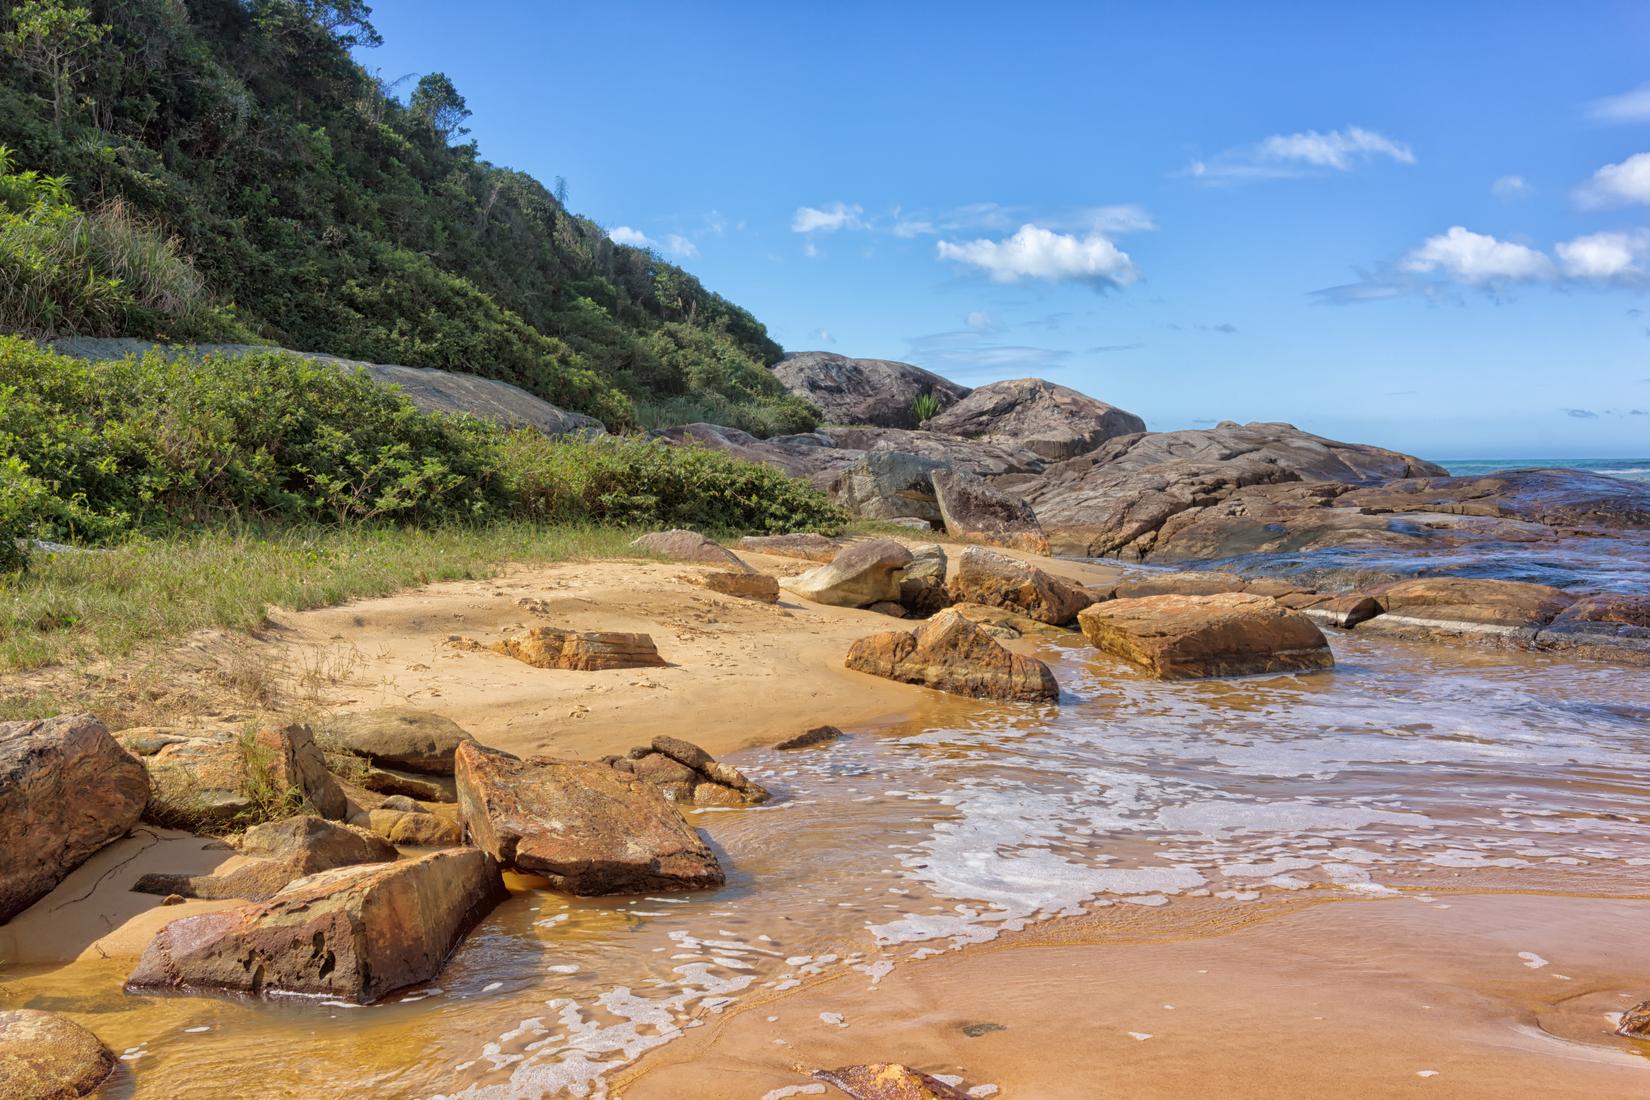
(66, 789)
(971, 509)
(408, 738)
(580, 650)
(997, 580)
(46, 1057)
(1468, 605)
(922, 588)
(1187, 637)
(684, 772)
(888, 485)
(972, 456)
(812, 455)
(212, 781)
(950, 653)
(1054, 421)
(864, 391)
(679, 545)
(354, 933)
(860, 575)
(585, 827)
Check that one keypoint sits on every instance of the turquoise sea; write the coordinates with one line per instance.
(1632, 469)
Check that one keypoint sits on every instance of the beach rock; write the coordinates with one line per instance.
(66, 789)
(396, 784)
(864, 391)
(580, 650)
(1177, 584)
(1054, 421)
(950, 653)
(1555, 498)
(416, 828)
(888, 1081)
(1186, 637)
(1342, 611)
(684, 772)
(819, 735)
(586, 827)
(1606, 620)
(407, 738)
(219, 780)
(862, 574)
(680, 545)
(278, 852)
(1635, 1022)
(888, 485)
(1467, 605)
(889, 608)
(971, 509)
(1003, 622)
(808, 547)
(922, 588)
(746, 585)
(44, 1056)
(353, 933)
(997, 580)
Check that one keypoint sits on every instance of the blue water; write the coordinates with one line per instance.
(1630, 469)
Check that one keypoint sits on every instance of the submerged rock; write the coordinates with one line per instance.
(684, 772)
(680, 545)
(1187, 637)
(580, 650)
(586, 827)
(1054, 421)
(407, 738)
(864, 391)
(949, 653)
(46, 1057)
(862, 574)
(819, 735)
(1465, 605)
(66, 789)
(971, 509)
(985, 577)
(888, 1081)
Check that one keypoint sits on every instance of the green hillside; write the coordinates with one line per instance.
(322, 211)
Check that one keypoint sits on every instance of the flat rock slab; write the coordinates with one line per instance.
(746, 585)
(408, 738)
(681, 545)
(46, 1057)
(949, 653)
(278, 853)
(862, 574)
(355, 933)
(66, 789)
(584, 826)
(581, 650)
(1187, 637)
(986, 577)
(1469, 605)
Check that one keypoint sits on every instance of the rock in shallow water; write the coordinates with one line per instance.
(949, 653)
(1468, 605)
(888, 1081)
(684, 772)
(46, 1057)
(1188, 637)
(986, 577)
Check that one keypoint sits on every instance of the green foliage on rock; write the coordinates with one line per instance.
(337, 219)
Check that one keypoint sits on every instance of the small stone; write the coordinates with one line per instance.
(819, 735)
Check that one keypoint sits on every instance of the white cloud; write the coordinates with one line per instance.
(979, 320)
(838, 215)
(1633, 106)
(1282, 156)
(678, 245)
(1605, 256)
(809, 249)
(1615, 184)
(1477, 258)
(823, 335)
(1510, 187)
(623, 234)
(1037, 253)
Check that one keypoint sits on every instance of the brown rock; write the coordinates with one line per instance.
(586, 827)
(1343, 611)
(888, 1081)
(1001, 622)
(46, 1057)
(808, 547)
(408, 738)
(220, 780)
(416, 829)
(922, 583)
(997, 580)
(394, 784)
(684, 772)
(863, 574)
(66, 789)
(354, 933)
(746, 585)
(971, 509)
(1054, 421)
(863, 391)
(1611, 620)
(1228, 634)
(1468, 605)
(1178, 584)
(580, 651)
(949, 653)
(819, 735)
(680, 545)
(279, 852)
(1635, 1022)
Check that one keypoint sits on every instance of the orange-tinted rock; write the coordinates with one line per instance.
(888, 1081)
(971, 509)
(580, 650)
(46, 1057)
(997, 580)
(222, 780)
(1469, 605)
(1177, 584)
(950, 653)
(1635, 1022)
(355, 933)
(1343, 611)
(416, 828)
(1185, 637)
(66, 789)
(746, 585)
(587, 827)
(862, 574)
(1605, 620)
(408, 738)
(279, 852)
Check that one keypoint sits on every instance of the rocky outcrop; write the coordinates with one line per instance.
(407, 738)
(580, 650)
(1555, 498)
(747, 585)
(585, 827)
(949, 653)
(1054, 421)
(808, 547)
(684, 772)
(971, 509)
(860, 575)
(922, 588)
(971, 456)
(1615, 621)
(812, 455)
(888, 1081)
(997, 580)
(354, 933)
(1188, 637)
(680, 545)
(66, 789)
(864, 391)
(207, 781)
(888, 485)
(46, 1057)
(278, 853)
(1464, 605)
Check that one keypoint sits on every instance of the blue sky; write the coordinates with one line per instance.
(1416, 225)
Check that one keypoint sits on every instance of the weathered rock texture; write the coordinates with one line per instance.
(354, 933)
(1186, 637)
(808, 547)
(889, 485)
(66, 789)
(1615, 621)
(864, 391)
(888, 1081)
(395, 737)
(46, 1057)
(1054, 421)
(950, 653)
(584, 826)
(684, 772)
(971, 509)
(749, 586)
(997, 580)
(580, 650)
(922, 588)
(680, 545)
(1468, 605)
(278, 853)
(217, 780)
(860, 575)
(417, 827)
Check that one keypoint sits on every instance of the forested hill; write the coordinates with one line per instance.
(335, 213)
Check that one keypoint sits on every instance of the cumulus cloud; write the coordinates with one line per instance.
(1612, 256)
(1477, 258)
(678, 245)
(624, 234)
(1617, 184)
(1282, 156)
(828, 219)
(1034, 252)
(1633, 106)
(1510, 187)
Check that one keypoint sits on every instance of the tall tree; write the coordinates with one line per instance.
(438, 103)
(57, 42)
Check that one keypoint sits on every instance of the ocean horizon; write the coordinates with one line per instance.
(1629, 469)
